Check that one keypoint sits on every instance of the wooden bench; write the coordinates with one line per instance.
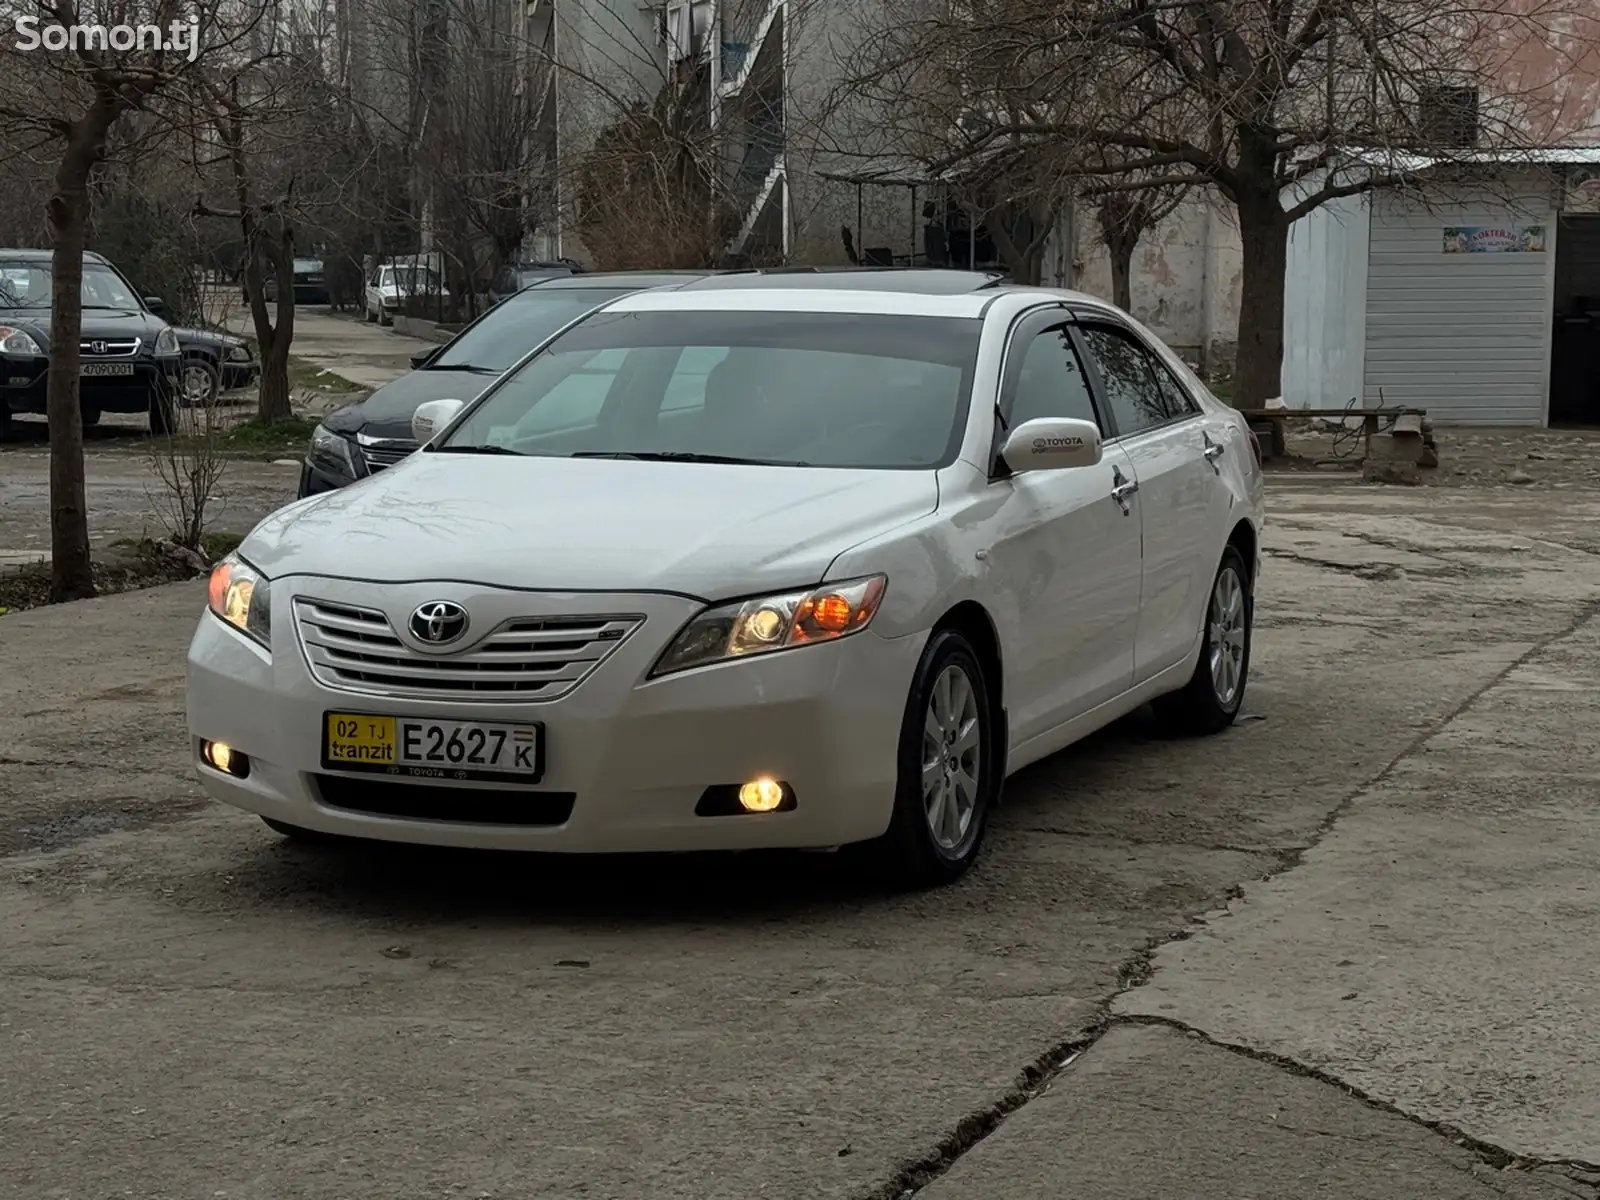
(1402, 422)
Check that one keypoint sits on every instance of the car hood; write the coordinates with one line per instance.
(387, 412)
(711, 531)
(210, 337)
(97, 323)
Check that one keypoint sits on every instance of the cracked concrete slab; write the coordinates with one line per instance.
(1432, 951)
(1148, 1111)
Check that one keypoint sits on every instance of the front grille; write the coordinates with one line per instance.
(525, 659)
(435, 802)
(380, 454)
(109, 347)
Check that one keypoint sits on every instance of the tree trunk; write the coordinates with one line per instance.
(71, 570)
(1120, 250)
(1023, 256)
(273, 403)
(1264, 233)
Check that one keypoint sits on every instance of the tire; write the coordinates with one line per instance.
(1211, 699)
(947, 692)
(161, 409)
(202, 382)
(294, 833)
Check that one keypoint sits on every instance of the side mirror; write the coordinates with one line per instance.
(423, 357)
(1051, 443)
(155, 304)
(433, 416)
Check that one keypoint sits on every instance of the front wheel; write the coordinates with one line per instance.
(201, 382)
(949, 769)
(1210, 701)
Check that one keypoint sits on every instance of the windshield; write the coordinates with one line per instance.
(792, 388)
(508, 332)
(420, 278)
(27, 285)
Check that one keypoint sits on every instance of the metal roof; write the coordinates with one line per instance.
(1503, 156)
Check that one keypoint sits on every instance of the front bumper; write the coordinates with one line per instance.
(23, 385)
(236, 374)
(632, 756)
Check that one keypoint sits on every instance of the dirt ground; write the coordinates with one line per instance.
(1174, 958)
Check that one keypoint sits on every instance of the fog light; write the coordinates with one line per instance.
(760, 795)
(225, 758)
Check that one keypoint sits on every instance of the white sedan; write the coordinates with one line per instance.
(765, 561)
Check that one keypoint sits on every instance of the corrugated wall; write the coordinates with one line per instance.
(1466, 336)
(1324, 317)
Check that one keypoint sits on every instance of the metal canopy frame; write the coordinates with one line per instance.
(906, 173)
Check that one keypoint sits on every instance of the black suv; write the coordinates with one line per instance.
(129, 358)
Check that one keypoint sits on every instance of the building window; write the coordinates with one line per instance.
(1447, 115)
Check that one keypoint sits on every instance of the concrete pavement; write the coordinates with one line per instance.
(363, 353)
(194, 1005)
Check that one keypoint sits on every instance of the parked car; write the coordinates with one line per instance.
(390, 286)
(512, 279)
(213, 362)
(309, 284)
(361, 439)
(129, 357)
(760, 561)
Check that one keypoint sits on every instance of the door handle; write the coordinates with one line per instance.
(1123, 489)
(1213, 450)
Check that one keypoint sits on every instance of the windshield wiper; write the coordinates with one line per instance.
(474, 368)
(478, 450)
(684, 456)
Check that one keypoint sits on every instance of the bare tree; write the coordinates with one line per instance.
(267, 226)
(1123, 217)
(1278, 105)
(76, 87)
(188, 461)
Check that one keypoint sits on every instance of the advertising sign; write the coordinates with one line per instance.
(1494, 239)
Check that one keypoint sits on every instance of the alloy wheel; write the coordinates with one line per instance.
(196, 384)
(1226, 630)
(952, 762)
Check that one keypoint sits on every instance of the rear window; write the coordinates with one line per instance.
(844, 390)
(508, 332)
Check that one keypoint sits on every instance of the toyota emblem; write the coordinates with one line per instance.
(97, 347)
(438, 622)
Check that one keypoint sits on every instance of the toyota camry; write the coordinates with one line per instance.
(765, 561)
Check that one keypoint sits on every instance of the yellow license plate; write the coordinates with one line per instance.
(433, 747)
(360, 740)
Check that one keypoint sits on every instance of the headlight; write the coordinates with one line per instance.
(769, 623)
(167, 344)
(332, 450)
(17, 341)
(240, 353)
(242, 596)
